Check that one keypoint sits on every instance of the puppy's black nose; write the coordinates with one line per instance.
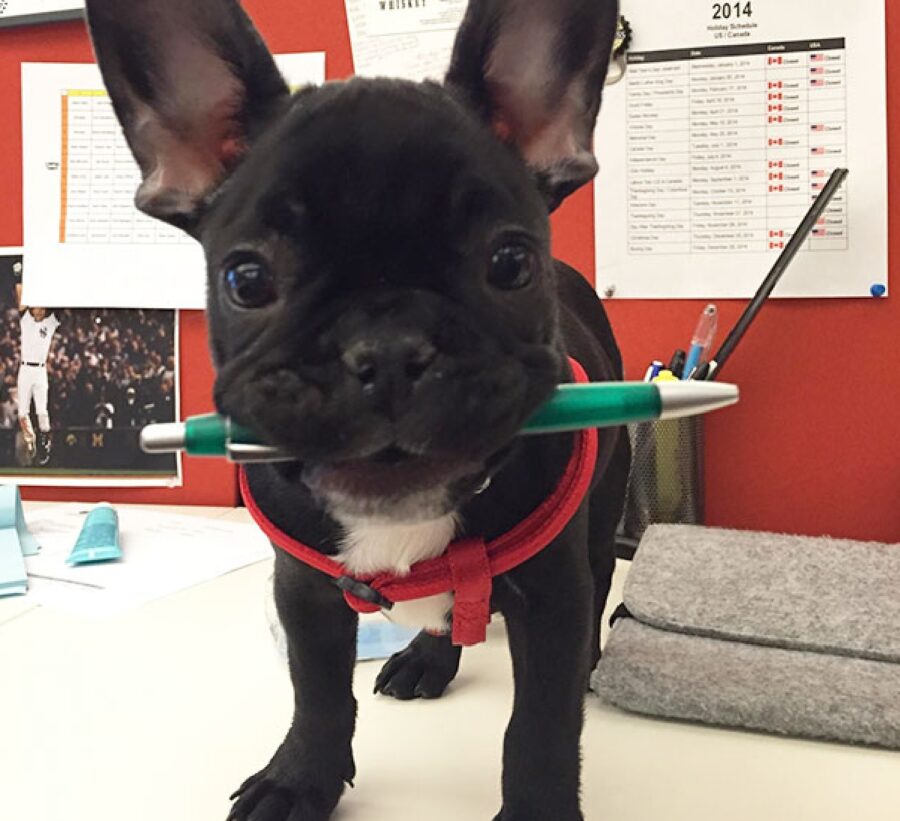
(394, 363)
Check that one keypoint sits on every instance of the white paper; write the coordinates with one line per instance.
(162, 554)
(408, 39)
(86, 244)
(10, 9)
(711, 157)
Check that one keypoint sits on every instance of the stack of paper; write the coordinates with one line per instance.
(163, 553)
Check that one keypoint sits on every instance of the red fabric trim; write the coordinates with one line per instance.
(472, 581)
(435, 576)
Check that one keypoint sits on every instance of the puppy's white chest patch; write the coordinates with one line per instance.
(372, 546)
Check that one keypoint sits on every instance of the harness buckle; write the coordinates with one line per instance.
(363, 591)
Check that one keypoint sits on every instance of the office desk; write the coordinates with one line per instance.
(158, 714)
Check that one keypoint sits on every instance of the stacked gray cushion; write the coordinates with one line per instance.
(787, 634)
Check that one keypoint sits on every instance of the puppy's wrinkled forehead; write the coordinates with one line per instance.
(380, 162)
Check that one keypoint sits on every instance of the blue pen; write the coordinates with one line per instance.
(702, 339)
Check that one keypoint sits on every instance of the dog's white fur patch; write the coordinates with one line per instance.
(375, 545)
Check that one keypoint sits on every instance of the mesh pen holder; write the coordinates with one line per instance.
(665, 485)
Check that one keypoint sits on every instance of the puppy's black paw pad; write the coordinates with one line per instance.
(414, 673)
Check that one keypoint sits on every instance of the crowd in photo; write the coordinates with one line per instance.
(106, 368)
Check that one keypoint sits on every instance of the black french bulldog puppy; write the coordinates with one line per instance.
(383, 304)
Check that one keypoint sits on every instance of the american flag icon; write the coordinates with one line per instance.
(817, 83)
(817, 58)
(818, 150)
(818, 172)
(818, 127)
(817, 70)
(820, 221)
(817, 185)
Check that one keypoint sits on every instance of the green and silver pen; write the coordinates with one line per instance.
(572, 407)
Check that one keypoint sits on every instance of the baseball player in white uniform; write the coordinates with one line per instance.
(38, 328)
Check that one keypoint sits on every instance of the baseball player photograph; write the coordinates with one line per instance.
(77, 386)
(38, 326)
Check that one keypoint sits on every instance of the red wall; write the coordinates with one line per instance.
(810, 449)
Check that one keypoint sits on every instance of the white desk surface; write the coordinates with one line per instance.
(162, 712)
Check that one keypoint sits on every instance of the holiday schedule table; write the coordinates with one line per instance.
(727, 146)
(727, 124)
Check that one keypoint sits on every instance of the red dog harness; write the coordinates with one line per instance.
(468, 566)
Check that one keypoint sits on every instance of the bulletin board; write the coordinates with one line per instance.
(812, 448)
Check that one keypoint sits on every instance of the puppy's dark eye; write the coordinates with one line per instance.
(512, 267)
(249, 282)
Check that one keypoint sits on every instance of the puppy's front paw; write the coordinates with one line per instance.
(537, 815)
(271, 795)
(422, 670)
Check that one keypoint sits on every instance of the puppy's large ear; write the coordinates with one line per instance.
(191, 82)
(534, 69)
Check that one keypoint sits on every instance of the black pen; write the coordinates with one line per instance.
(677, 364)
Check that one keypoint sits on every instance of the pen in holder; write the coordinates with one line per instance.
(665, 485)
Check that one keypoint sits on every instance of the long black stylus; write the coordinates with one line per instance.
(713, 368)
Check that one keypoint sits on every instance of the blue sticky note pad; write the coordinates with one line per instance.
(380, 639)
(16, 542)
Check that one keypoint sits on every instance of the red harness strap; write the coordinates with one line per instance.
(468, 565)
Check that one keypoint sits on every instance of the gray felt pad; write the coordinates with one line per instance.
(787, 634)
(828, 595)
(793, 692)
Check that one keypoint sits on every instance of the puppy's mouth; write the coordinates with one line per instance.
(391, 472)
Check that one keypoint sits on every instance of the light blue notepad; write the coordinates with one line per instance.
(15, 543)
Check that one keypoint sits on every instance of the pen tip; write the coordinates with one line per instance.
(694, 397)
(163, 438)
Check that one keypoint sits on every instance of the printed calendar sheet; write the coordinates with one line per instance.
(728, 123)
(86, 245)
